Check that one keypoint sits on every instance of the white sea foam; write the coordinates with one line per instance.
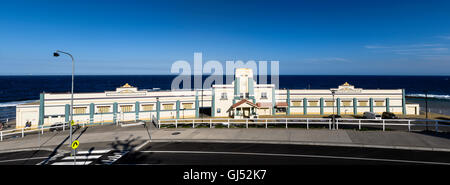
(15, 103)
(437, 96)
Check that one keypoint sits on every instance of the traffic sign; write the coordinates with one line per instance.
(75, 144)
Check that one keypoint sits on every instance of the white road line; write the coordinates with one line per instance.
(72, 163)
(298, 155)
(82, 157)
(93, 152)
(142, 145)
(11, 160)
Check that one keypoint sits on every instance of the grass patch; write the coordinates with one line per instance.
(201, 126)
(220, 126)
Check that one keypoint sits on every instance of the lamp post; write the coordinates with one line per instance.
(426, 109)
(56, 54)
(334, 101)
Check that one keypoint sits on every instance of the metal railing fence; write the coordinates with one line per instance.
(382, 123)
(262, 122)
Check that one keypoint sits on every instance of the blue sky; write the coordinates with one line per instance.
(146, 37)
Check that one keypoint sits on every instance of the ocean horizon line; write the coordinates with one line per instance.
(220, 75)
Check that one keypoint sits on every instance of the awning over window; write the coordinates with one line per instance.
(281, 104)
(264, 104)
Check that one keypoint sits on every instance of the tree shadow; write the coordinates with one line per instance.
(128, 145)
(125, 145)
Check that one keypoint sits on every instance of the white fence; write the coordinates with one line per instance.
(383, 123)
(40, 129)
(36, 129)
(87, 122)
(306, 122)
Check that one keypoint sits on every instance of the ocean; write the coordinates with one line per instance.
(16, 90)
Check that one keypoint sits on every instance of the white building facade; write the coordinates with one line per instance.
(243, 98)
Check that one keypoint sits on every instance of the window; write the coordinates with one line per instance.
(241, 95)
(79, 110)
(313, 103)
(223, 96)
(379, 103)
(103, 109)
(280, 110)
(168, 106)
(247, 95)
(148, 107)
(187, 105)
(264, 95)
(296, 103)
(346, 103)
(218, 110)
(126, 108)
(362, 103)
(329, 103)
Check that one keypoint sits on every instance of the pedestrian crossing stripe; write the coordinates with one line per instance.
(73, 163)
(81, 157)
(93, 152)
(105, 157)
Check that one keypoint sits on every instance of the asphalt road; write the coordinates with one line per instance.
(194, 153)
(177, 153)
(24, 157)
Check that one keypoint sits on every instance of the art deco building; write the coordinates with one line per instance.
(243, 98)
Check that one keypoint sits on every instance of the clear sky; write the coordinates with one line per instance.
(145, 37)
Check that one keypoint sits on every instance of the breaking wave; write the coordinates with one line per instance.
(15, 103)
(435, 96)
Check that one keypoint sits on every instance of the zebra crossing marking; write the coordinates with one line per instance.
(103, 157)
(82, 157)
(73, 163)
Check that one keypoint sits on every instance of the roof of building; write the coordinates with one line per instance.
(242, 102)
(127, 86)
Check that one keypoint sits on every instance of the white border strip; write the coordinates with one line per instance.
(298, 155)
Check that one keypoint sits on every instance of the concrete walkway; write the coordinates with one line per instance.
(136, 135)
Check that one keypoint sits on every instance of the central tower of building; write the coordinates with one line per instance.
(244, 85)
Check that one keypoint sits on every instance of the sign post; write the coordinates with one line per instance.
(75, 145)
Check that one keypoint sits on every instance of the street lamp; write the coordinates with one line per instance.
(56, 54)
(426, 109)
(334, 101)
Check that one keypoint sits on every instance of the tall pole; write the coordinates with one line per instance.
(71, 98)
(332, 92)
(201, 115)
(426, 109)
(56, 54)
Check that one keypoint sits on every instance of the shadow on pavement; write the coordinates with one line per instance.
(443, 118)
(124, 145)
(445, 135)
(129, 145)
(55, 151)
